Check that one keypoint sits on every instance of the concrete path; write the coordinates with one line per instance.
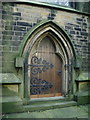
(67, 112)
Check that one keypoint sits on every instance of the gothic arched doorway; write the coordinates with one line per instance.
(48, 58)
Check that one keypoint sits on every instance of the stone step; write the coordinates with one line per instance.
(47, 106)
(11, 104)
(14, 104)
(48, 100)
(9, 99)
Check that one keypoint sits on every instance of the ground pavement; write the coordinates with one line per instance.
(75, 112)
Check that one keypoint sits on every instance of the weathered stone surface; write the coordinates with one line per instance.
(74, 112)
(17, 19)
(8, 77)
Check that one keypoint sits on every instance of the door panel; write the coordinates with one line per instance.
(46, 71)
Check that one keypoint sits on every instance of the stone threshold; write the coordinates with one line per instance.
(48, 105)
(38, 104)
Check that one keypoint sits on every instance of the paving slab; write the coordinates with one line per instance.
(67, 112)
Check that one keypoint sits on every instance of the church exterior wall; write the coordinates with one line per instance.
(18, 19)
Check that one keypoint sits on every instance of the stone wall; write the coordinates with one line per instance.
(18, 19)
(1, 47)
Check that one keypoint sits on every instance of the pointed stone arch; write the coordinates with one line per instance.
(64, 49)
(41, 28)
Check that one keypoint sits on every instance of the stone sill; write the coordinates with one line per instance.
(10, 99)
(9, 78)
(82, 80)
(53, 6)
(83, 77)
(83, 93)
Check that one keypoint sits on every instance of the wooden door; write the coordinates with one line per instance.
(46, 71)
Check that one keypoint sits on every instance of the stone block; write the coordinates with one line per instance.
(82, 97)
(79, 19)
(67, 27)
(78, 29)
(4, 12)
(8, 66)
(24, 24)
(18, 33)
(19, 62)
(14, 48)
(18, 28)
(7, 27)
(72, 32)
(9, 90)
(84, 33)
(79, 23)
(9, 32)
(15, 37)
(15, 42)
(84, 86)
(9, 79)
(13, 105)
(7, 37)
(17, 13)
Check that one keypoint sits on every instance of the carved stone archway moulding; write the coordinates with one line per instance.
(63, 45)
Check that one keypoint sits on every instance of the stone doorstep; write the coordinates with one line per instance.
(48, 100)
(35, 105)
(46, 106)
